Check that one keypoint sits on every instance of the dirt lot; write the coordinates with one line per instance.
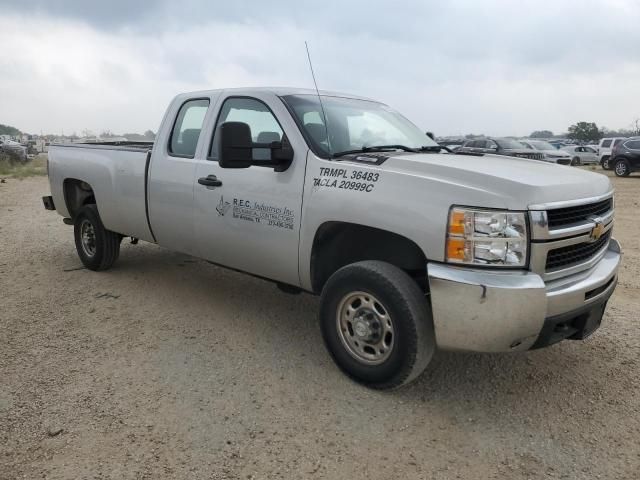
(168, 367)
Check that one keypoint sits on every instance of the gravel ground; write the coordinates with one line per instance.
(168, 367)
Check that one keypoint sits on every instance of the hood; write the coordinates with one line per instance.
(502, 182)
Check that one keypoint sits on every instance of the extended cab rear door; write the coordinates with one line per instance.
(251, 220)
(172, 171)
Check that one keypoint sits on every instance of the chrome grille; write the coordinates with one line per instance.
(560, 217)
(562, 235)
(532, 156)
(571, 255)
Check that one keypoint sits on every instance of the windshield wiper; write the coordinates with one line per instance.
(434, 148)
(375, 148)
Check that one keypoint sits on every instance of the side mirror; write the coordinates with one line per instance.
(236, 146)
(237, 149)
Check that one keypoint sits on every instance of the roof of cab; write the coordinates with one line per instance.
(279, 91)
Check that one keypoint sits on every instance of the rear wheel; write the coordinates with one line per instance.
(575, 161)
(622, 168)
(377, 324)
(605, 163)
(98, 248)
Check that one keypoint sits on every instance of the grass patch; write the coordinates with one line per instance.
(35, 167)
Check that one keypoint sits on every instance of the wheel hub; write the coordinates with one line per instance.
(88, 238)
(362, 329)
(365, 328)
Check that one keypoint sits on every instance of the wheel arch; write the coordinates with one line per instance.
(77, 193)
(338, 243)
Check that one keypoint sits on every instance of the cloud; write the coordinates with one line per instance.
(498, 67)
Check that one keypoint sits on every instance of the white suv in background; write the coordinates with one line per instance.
(604, 150)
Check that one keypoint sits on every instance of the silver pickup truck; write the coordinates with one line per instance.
(411, 248)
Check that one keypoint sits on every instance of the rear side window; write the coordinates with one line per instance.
(606, 143)
(633, 144)
(187, 128)
(618, 141)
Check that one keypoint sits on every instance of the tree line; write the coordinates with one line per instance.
(9, 130)
(589, 132)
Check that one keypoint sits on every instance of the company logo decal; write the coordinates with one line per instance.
(223, 207)
(257, 212)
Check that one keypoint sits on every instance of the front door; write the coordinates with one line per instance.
(589, 155)
(250, 221)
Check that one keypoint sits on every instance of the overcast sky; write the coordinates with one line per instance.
(500, 67)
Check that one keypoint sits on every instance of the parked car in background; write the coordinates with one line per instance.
(562, 142)
(453, 148)
(625, 157)
(551, 154)
(582, 155)
(14, 149)
(604, 150)
(500, 146)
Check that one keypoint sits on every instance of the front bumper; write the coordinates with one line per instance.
(497, 311)
(561, 160)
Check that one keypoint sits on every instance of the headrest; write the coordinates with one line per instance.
(317, 131)
(189, 141)
(268, 137)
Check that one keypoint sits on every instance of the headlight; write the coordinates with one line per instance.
(487, 237)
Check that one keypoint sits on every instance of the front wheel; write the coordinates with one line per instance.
(377, 324)
(98, 248)
(605, 163)
(622, 168)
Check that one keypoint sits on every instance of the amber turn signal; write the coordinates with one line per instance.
(456, 223)
(455, 249)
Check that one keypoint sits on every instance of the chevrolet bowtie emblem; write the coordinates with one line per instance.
(597, 230)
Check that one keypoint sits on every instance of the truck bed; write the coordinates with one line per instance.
(117, 173)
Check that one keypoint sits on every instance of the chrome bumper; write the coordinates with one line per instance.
(497, 311)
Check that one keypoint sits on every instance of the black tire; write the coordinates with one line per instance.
(575, 161)
(413, 339)
(105, 248)
(605, 163)
(622, 168)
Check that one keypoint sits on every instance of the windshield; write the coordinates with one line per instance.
(352, 124)
(508, 144)
(541, 145)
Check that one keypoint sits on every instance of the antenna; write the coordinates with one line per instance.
(324, 115)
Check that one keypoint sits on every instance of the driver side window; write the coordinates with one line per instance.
(263, 124)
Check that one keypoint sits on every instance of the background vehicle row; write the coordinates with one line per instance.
(625, 157)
